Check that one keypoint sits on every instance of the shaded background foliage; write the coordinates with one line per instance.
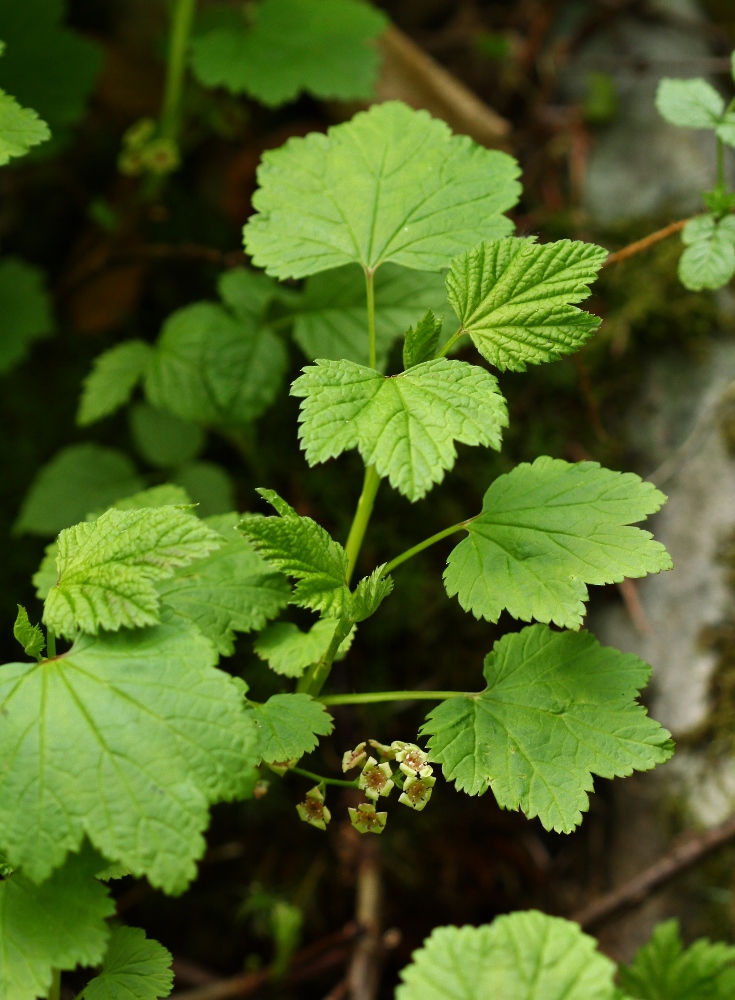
(73, 215)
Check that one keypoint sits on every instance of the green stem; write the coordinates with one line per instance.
(409, 553)
(323, 781)
(375, 697)
(451, 342)
(316, 676)
(373, 343)
(720, 162)
(55, 989)
(361, 519)
(50, 643)
(182, 19)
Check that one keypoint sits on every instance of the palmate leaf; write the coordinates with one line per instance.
(406, 425)
(289, 651)
(134, 968)
(77, 480)
(393, 184)
(294, 45)
(112, 380)
(514, 297)
(523, 956)
(25, 310)
(289, 726)
(557, 709)
(57, 925)
(664, 970)
(330, 318)
(230, 590)
(546, 531)
(108, 568)
(302, 549)
(126, 738)
(20, 129)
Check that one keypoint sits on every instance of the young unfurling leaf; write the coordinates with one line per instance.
(546, 531)
(29, 636)
(557, 709)
(288, 726)
(57, 925)
(293, 45)
(108, 568)
(134, 967)
(231, 590)
(302, 549)
(393, 184)
(405, 425)
(522, 956)
(126, 739)
(514, 297)
(421, 341)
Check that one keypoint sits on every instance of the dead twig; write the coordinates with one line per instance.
(648, 241)
(363, 976)
(683, 855)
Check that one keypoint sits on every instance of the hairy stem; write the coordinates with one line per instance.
(409, 553)
(50, 643)
(182, 19)
(645, 243)
(361, 519)
(376, 697)
(372, 338)
(451, 342)
(323, 781)
(316, 676)
(55, 989)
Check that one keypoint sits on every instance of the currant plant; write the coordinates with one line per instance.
(708, 260)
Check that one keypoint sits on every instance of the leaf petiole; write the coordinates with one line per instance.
(409, 553)
(320, 780)
(182, 19)
(376, 697)
(50, 643)
(361, 519)
(55, 988)
(451, 342)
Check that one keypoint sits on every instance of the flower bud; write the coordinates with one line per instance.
(386, 753)
(417, 792)
(313, 811)
(282, 766)
(351, 758)
(376, 779)
(366, 820)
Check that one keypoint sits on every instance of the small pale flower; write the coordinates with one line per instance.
(413, 760)
(313, 811)
(260, 789)
(351, 758)
(417, 792)
(376, 779)
(366, 820)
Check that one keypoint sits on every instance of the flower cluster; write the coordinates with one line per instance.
(413, 777)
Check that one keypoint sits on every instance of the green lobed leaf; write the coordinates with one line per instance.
(162, 439)
(522, 956)
(127, 738)
(370, 593)
(422, 340)
(20, 129)
(29, 636)
(214, 367)
(292, 46)
(330, 318)
(25, 310)
(111, 382)
(664, 970)
(393, 184)
(77, 480)
(108, 568)
(514, 297)
(231, 590)
(547, 530)
(405, 425)
(557, 709)
(689, 103)
(47, 66)
(288, 726)
(709, 258)
(289, 651)
(57, 925)
(302, 549)
(134, 968)
(208, 485)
